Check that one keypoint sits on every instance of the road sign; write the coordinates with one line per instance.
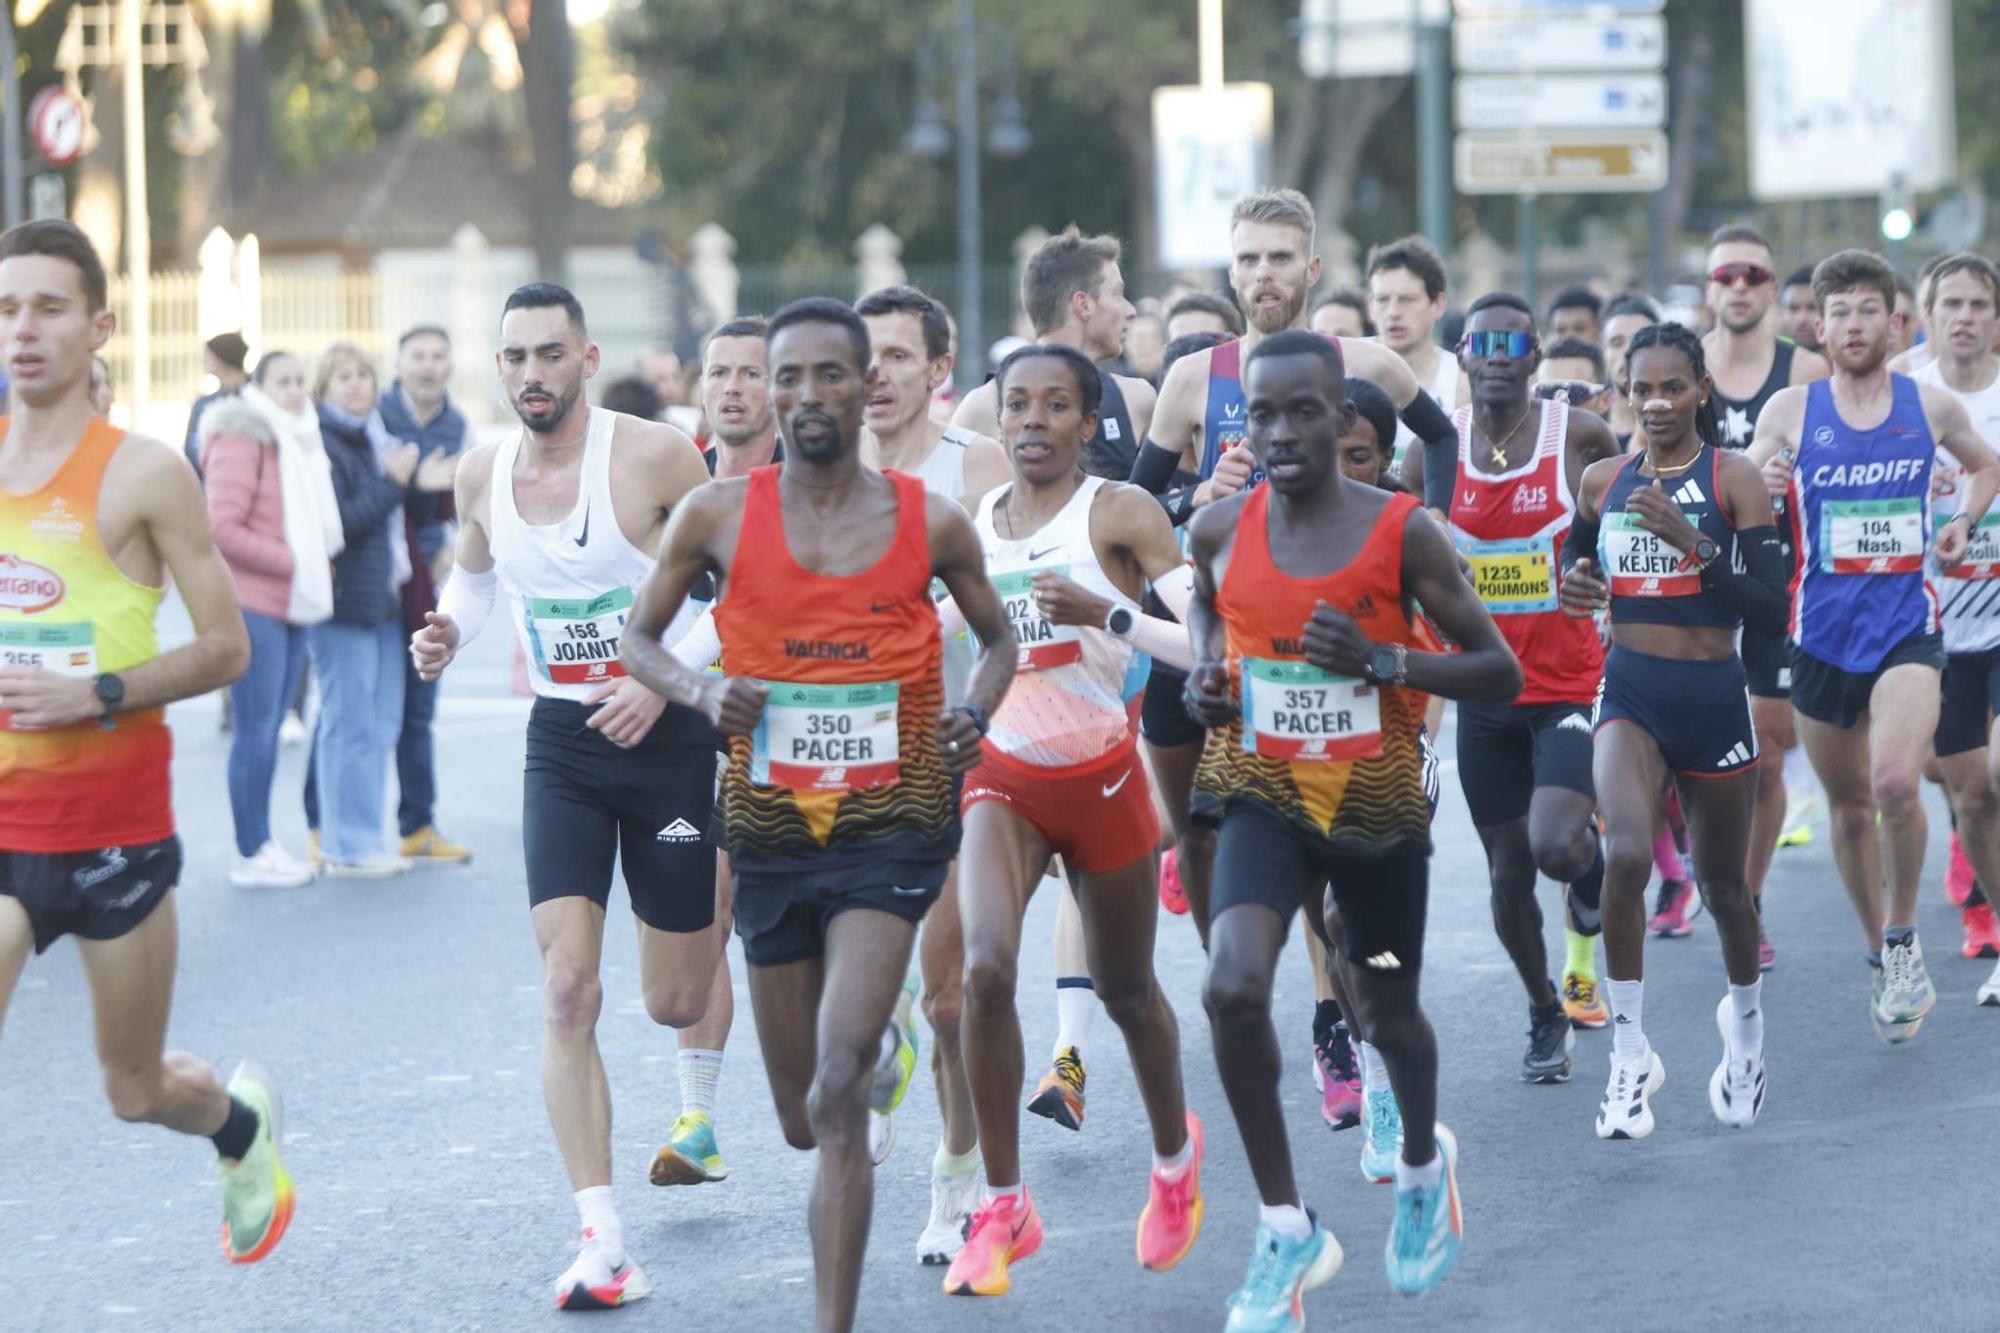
(1525, 43)
(1468, 7)
(46, 196)
(1489, 163)
(1210, 148)
(1561, 101)
(57, 121)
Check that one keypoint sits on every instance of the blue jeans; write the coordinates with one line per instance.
(258, 701)
(416, 765)
(360, 673)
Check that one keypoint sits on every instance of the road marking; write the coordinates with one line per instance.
(448, 1078)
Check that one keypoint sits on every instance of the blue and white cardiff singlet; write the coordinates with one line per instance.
(1863, 500)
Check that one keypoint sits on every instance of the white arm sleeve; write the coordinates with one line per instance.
(951, 620)
(701, 647)
(468, 600)
(1167, 640)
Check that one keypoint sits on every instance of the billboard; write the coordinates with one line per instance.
(1845, 93)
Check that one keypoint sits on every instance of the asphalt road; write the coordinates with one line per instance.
(401, 1021)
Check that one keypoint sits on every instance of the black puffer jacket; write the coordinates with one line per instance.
(368, 501)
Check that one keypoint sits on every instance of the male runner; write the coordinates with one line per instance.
(1798, 309)
(736, 399)
(1305, 596)
(1576, 312)
(1623, 318)
(1750, 363)
(1855, 457)
(1203, 312)
(1526, 766)
(1342, 313)
(559, 520)
(1198, 427)
(92, 524)
(1074, 293)
(1574, 371)
(909, 337)
(1406, 295)
(840, 799)
(1071, 555)
(1964, 313)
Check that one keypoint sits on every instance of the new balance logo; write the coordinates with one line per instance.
(678, 831)
(1739, 753)
(1689, 494)
(1384, 962)
(1574, 722)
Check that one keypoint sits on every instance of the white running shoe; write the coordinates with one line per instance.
(1989, 994)
(594, 1282)
(1625, 1112)
(271, 868)
(1904, 994)
(1736, 1088)
(881, 1136)
(376, 865)
(952, 1200)
(292, 731)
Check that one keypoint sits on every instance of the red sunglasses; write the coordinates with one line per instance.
(1750, 275)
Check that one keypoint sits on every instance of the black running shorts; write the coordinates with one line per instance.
(1261, 858)
(95, 895)
(1163, 716)
(1971, 693)
(783, 916)
(1506, 751)
(1826, 693)
(1698, 713)
(585, 801)
(1767, 664)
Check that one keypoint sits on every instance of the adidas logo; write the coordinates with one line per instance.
(1739, 753)
(678, 831)
(1384, 962)
(1574, 722)
(1689, 494)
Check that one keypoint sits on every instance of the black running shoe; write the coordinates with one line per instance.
(1550, 1037)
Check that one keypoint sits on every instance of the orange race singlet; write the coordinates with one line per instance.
(1334, 756)
(65, 606)
(845, 760)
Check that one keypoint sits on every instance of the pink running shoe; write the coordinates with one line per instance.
(1171, 896)
(1339, 1080)
(1767, 957)
(1957, 874)
(1982, 933)
(1674, 910)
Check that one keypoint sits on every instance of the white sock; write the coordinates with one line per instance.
(1170, 1168)
(1017, 1192)
(1076, 1006)
(599, 1216)
(1287, 1219)
(1419, 1177)
(1746, 1029)
(1374, 1073)
(1626, 998)
(945, 1162)
(700, 1072)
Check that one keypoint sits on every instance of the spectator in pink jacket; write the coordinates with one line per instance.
(270, 501)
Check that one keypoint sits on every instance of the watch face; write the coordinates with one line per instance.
(1382, 663)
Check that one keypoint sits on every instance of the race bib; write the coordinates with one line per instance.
(1513, 577)
(576, 642)
(1639, 564)
(1042, 645)
(68, 649)
(1872, 536)
(1982, 550)
(827, 737)
(1295, 711)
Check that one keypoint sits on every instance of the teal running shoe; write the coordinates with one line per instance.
(690, 1155)
(1429, 1227)
(1381, 1135)
(1282, 1271)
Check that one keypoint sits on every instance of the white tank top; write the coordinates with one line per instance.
(1443, 387)
(943, 473)
(1971, 593)
(569, 584)
(1073, 698)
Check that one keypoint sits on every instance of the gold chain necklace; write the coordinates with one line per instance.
(1676, 469)
(1499, 451)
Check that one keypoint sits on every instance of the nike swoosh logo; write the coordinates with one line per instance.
(583, 539)
(877, 608)
(1039, 555)
(1112, 790)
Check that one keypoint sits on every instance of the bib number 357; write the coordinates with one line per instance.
(1296, 711)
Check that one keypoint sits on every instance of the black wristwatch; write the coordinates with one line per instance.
(1387, 665)
(110, 691)
(1706, 549)
(977, 714)
(1120, 621)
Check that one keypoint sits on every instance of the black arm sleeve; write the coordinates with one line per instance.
(1580, 544)
(1759, 591)
(1154, 467)
(1429, 424)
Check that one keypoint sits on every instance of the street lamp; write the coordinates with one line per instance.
(929, 137)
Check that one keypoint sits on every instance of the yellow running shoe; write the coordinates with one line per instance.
(1059, 1095)
(256, 1188)
(1580, 1001)
(427, 844)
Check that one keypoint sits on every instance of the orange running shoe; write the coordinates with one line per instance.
(1581, 1003)
(1172, 1220)
(1004, 1229)
(1059, 1095)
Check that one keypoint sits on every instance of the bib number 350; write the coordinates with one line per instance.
(827, 737)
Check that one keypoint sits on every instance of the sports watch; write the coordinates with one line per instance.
(1119, 622)
(1387, 664)
(1706, 549)
(110, 690)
